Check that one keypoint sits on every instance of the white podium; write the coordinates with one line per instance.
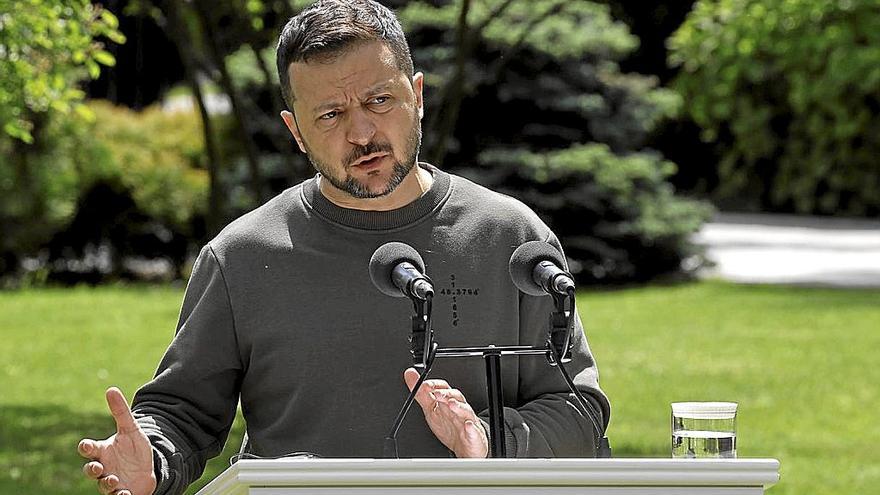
(496, 477)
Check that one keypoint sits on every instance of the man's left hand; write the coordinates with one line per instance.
(449, 416)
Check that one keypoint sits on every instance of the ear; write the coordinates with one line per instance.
(418, 87)
(290, 121)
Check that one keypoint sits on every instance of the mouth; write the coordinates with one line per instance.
(369, 161)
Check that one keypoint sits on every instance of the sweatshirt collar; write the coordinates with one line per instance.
(379, 220)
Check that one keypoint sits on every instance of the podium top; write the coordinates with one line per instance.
(493, 472)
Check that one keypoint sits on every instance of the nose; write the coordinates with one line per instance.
(360, 127)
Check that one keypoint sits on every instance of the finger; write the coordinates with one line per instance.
(445, 395)
(473, 430)
(411, 377)
(93, 470)
(436, 384)
(423, 396)
(478, 442)
(120, 411)
(462, 409)
(108, 484)
(455, 413)
(90, 449)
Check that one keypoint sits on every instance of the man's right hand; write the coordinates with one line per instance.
(123, 463)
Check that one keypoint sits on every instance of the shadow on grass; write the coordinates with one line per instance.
(38, 449)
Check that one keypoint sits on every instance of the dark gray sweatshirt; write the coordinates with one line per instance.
(280, 313)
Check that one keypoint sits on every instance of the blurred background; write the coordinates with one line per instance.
(131, 132)
(134, 130)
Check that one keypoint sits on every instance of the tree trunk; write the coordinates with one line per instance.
(442, 124)
(256, 179)
(215, 214)
(281, 140)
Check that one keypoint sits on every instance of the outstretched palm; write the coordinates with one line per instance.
(122, 463)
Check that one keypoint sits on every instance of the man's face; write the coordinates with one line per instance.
(358, 118)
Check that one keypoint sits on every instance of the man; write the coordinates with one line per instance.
(280, 312)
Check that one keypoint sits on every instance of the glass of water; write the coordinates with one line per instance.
(704, 429)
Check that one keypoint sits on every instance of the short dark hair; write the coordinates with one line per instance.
(328, 28)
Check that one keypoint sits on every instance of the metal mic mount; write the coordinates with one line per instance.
(422, 335)
(557, 349)
(561, 326)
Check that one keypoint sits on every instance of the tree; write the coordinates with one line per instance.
(788, 89)
(522, 96)
(46, 48)
(528, 98)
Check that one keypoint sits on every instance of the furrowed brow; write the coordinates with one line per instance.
(323, 107)
(379, 88)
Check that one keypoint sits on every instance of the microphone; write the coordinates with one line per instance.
(397, 270)
(535, 270)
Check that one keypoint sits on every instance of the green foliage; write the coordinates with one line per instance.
(789, 90)
(244, 68)
(38, 188)
(46, 48)
(545, 75)
(554, 27)
(153, 157)
(617, 215)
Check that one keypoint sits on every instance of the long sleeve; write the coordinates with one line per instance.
(548, 421)
(189, 406)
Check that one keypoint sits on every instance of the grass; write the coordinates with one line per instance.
(800, 362)
(61, 348)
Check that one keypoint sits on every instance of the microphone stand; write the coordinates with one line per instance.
(557, 349)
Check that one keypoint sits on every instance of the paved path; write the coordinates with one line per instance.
(785, 249)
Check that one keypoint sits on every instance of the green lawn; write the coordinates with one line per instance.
(802, 363)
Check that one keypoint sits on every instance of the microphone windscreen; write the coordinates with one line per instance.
(383, 261)
(524, 260)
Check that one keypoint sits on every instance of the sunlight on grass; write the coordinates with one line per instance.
(801, 363)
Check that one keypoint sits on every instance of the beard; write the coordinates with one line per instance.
(399, 170)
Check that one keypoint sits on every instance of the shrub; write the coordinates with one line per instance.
(128, 184)
(788, 90)
(158, 157)
(616, 215)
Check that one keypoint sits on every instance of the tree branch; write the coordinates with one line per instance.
(513, 49)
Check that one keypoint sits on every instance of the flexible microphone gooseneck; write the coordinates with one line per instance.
(535, 269)
(397, 270)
